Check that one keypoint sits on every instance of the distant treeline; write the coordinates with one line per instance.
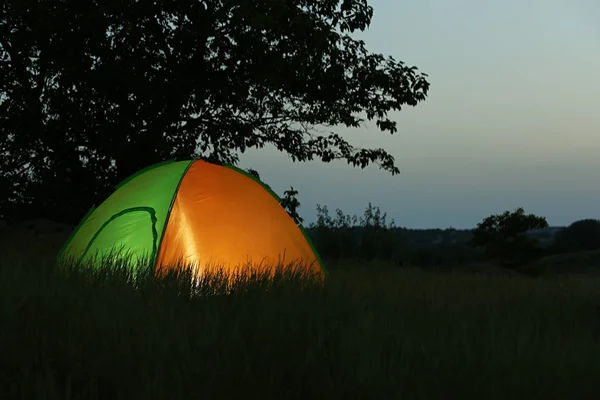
(371, 237)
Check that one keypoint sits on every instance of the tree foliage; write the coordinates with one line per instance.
(504, 236)
(92, 91)
(582, 235)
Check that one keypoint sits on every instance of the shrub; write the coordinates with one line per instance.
(368, 237)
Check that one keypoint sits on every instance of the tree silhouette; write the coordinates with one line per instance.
(504, 236)
(92, 91)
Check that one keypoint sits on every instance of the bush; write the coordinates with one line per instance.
(366, 238)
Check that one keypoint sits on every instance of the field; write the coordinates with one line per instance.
(371, 332)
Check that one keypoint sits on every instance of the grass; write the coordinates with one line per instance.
(368, 333)
(583, 262)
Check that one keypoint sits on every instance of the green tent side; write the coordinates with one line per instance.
(132, 218)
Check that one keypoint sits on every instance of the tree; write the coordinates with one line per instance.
(582, 235)
(92, 91)
(504, 236)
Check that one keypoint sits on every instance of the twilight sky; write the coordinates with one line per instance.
(512, 118)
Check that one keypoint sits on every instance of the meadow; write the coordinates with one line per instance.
(370, 332)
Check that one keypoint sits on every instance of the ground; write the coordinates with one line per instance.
(371, 332)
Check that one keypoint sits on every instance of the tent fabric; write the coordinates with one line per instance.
(196, 213)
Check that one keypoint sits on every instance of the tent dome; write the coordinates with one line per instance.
(193, 213)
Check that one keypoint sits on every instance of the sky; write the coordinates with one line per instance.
(512, 118)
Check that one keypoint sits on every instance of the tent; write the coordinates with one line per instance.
(193, 213)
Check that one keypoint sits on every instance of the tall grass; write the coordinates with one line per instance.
(368, 333)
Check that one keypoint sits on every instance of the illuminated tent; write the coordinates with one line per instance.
(193, 213)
